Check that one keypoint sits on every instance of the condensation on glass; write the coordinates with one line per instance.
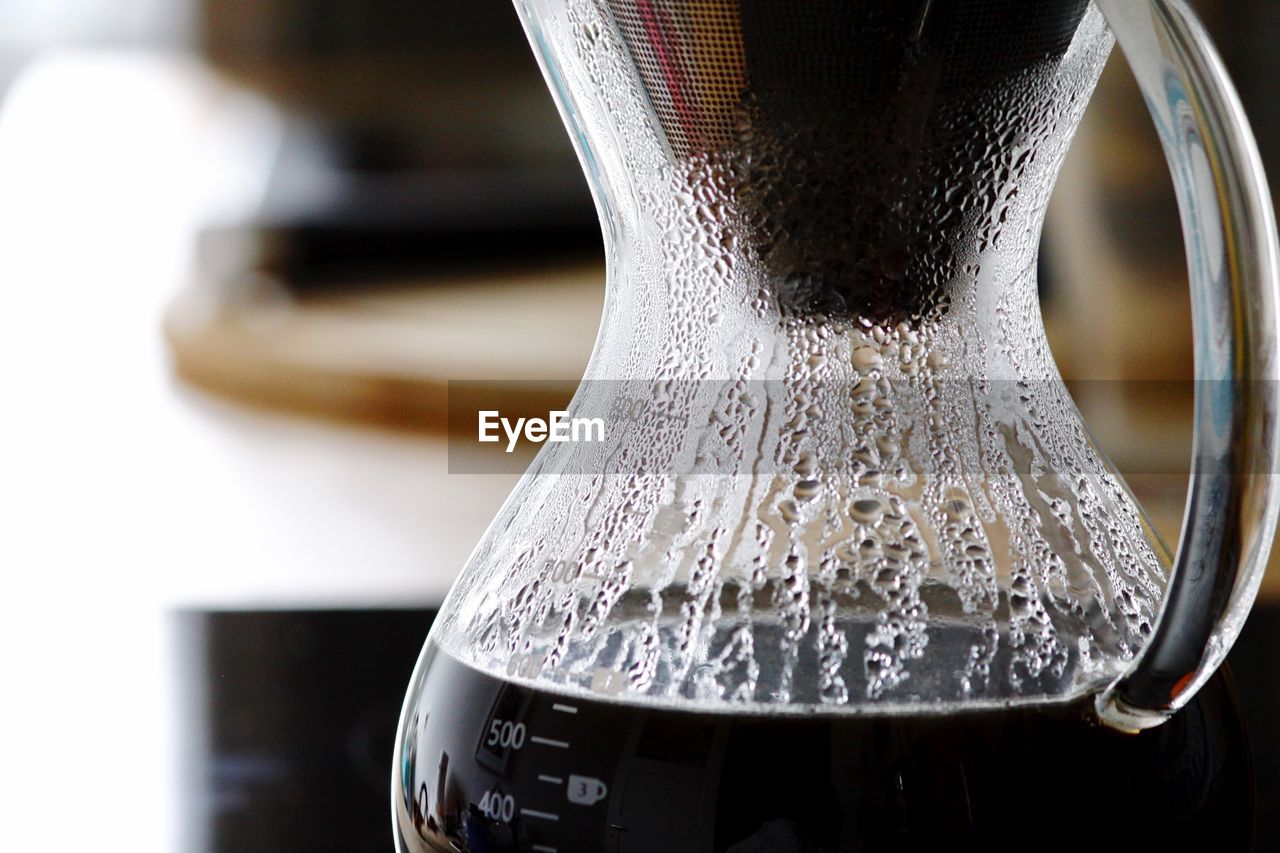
(857, 484)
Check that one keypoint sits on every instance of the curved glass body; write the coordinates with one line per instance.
(856, 481)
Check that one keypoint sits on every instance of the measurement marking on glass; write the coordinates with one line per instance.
(546, 741)
(554, 780)
(564, 709)
(542, 815)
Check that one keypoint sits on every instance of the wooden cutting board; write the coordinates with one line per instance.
(385, 354)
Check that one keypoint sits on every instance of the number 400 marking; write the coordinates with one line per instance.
(498, 806)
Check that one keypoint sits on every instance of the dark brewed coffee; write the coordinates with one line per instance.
(495, 767)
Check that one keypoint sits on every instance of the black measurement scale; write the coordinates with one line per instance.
(515, 769)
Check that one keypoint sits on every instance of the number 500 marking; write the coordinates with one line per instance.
(505, 734)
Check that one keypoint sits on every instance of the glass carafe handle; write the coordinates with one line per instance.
(1229, 228)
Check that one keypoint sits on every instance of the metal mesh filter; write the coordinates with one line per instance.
(701, 61)
(690, 56)
(858, 142)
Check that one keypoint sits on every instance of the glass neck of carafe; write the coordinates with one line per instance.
(850, 195)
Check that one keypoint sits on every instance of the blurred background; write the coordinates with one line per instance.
(244, 246)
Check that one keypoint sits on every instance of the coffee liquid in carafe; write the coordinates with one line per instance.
(852, 578)
(498, 767)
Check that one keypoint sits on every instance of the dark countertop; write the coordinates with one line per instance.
(298, 710)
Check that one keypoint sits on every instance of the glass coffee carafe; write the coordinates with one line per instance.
(847, 571)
